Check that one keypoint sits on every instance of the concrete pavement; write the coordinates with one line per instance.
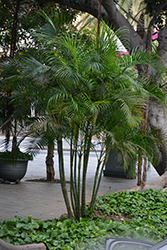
(44, 200)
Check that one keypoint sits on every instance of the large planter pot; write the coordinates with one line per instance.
(114, 166)
(13, 171)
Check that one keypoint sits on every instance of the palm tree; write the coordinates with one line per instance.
(99, 93)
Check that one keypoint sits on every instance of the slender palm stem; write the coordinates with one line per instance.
(77, 192)
(79, 187)
(95, 181)
(72, 190)
(98, 179)
(88, 137)
(62, 176)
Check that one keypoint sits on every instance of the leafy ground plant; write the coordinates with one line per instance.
(139, 216)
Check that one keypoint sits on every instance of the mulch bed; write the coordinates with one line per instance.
(45, 180)
(109, 217)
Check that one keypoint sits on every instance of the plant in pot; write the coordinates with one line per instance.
(15, 116)
(13, 164)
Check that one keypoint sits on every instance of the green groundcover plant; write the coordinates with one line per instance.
(142, 215)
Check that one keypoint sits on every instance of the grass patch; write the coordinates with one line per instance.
(142, 215)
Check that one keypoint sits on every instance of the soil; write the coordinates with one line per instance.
(113, 217)
(96, 213)
(45, 180)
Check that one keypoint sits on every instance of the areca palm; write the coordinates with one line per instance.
(99, 93)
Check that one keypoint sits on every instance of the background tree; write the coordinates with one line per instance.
(18, 23)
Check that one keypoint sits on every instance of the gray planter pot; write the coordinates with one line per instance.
(114, 166)
(12, 171)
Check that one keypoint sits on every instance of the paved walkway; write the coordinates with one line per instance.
(44, 200)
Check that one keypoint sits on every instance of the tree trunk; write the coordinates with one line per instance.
(144, 172)
(157, 183)
(9, 105)
(162, 165)
(14, 144)
(158, 116)
(112, 16)
(14, 29)
(50, 163)
(139, 172)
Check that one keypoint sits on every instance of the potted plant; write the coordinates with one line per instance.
(13, 165)
(15, 118)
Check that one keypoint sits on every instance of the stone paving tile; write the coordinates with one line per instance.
(44, 200)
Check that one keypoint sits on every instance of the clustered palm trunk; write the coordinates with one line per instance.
(79, 159)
